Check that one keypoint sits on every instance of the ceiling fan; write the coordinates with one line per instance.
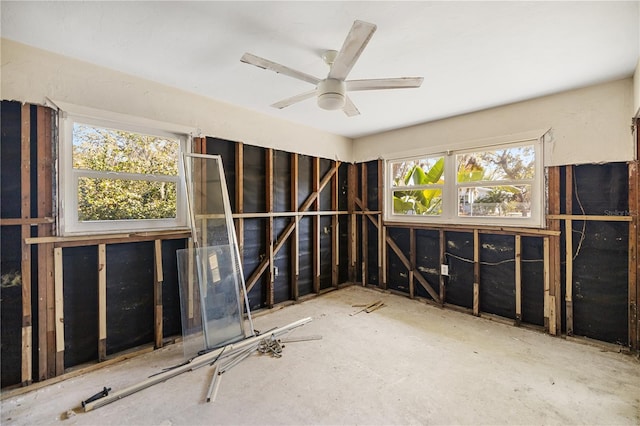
(331, 91)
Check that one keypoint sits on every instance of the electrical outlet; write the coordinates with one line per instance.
(275, 271)
(444, 270)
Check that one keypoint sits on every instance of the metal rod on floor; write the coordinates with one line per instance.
(215, 384)
(196, 362)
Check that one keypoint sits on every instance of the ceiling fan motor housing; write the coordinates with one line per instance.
(331, 94)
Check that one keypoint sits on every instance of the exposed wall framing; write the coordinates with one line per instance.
(541, 272)
(305, 225)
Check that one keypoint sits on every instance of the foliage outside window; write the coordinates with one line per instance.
(494, 185)
(119, 178)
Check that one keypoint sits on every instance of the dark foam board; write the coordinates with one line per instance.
(80, 266)
(459, 257)
(130, 302)
(428, 260)
(497, 275)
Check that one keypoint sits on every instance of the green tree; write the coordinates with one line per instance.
(138, 187)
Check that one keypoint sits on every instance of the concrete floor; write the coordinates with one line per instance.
(406, 363)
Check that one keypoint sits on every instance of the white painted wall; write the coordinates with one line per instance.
(589, 125)
(31, 75)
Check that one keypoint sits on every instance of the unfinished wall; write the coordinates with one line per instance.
(583, 122)
(31, 75)
(576, 277)
(73, 301)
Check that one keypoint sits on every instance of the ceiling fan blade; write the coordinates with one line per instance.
(385, 83)
(349, 107)
(294, 99)
(354, 44)
(250, 59)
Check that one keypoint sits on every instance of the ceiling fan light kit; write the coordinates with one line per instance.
(331, 94)
(331, 91)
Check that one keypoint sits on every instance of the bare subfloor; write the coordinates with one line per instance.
(406, 363)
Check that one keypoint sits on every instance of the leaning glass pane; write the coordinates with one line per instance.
(217, 261)
(515, 163)
(495, 201)
(424, 202)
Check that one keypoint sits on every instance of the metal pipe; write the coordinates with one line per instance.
(195, 363)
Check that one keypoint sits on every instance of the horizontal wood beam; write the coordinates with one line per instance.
(597, 218)
(94, 240)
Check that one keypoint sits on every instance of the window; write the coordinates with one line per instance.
(491, 185)
(118, 177)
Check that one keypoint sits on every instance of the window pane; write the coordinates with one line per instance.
(424, 171)
(101, 149)
(425, 202)
(495, 201)
(515, 163)
(118, 199)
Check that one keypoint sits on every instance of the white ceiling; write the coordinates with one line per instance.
(473, 55)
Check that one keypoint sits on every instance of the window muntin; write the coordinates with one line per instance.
(119, 177)
(493, 185)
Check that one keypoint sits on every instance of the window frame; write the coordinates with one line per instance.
(450, 187)
(68, 177)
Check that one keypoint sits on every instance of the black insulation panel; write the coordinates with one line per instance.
(398, 275)
(600, 281)
(11, 305)
(80, 266)
(343, 248)
(253, 253)
(305, 178)
(459, 257)
(171, 317)
(254, 179)
(130, 302)
(601, 189)
(281, 181)
(372, 185)
(282, 279)
(343, 186)
(428, 260)
(373, 271)
(325, 252)
(305, 253)
(532, 280)
(325, 194)
(497, 275)
(227, 151)
(10, 190)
